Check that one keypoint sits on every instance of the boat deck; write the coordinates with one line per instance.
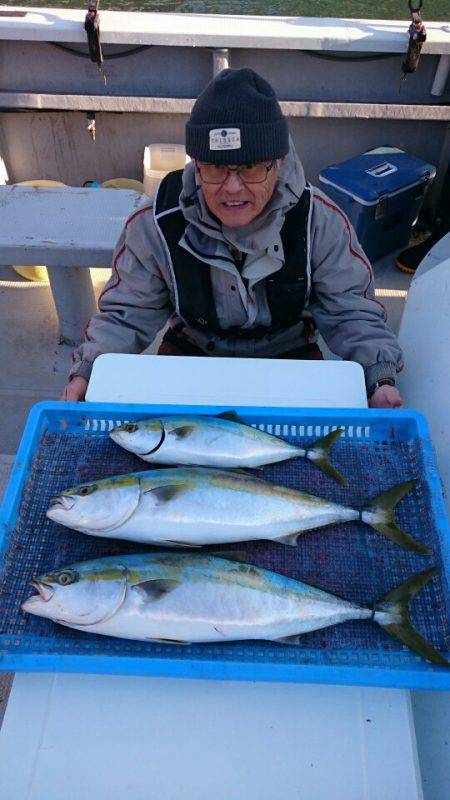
(35, 367)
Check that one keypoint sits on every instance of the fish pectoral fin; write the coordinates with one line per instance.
(155, 589)
(182, 432)
(168, 641)
(176, 543)
(232, 417)
(164, 494)
(291, 640)
(290, 538)
(237, 471)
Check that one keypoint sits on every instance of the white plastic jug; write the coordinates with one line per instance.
(159, 159)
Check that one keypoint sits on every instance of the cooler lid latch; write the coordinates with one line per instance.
(423, 183)
(381, 206)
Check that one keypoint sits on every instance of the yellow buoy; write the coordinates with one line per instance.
(123, 183)
(35, 273)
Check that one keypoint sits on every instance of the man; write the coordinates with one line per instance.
(241, 255)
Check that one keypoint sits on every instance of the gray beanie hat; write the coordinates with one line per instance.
(237, 120)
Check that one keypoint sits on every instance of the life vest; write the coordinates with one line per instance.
(287, 290)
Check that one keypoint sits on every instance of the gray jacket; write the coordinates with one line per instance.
(139, 297)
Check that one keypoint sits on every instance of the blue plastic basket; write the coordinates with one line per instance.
(64, 444)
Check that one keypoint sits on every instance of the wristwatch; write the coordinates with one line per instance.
(383, 382)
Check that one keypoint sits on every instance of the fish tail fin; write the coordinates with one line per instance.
(391, 612)
(319, 452)
(379, 514)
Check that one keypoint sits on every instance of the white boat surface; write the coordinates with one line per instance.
(339, 83)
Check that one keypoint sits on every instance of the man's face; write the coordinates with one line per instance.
(235, 202)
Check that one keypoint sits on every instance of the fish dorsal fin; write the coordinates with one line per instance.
(231, 416)
(292, 640)
(164, 494)
(182, 431)
(290, 538)
(155, 589)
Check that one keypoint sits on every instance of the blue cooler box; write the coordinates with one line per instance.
(381, 191)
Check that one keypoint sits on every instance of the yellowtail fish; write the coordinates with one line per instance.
(182, 598)
(222, 441)
(194, 506)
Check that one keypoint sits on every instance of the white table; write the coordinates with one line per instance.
(79, 737)
(227, 381)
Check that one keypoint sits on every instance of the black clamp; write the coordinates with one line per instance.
(92, 28)
(417, 36)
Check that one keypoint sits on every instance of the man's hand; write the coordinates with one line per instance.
(386, 397)
(75, 390)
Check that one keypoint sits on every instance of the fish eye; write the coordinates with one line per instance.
(67, 577)
(86, 489)
(130, 427)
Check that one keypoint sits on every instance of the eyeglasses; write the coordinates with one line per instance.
(248, 173)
